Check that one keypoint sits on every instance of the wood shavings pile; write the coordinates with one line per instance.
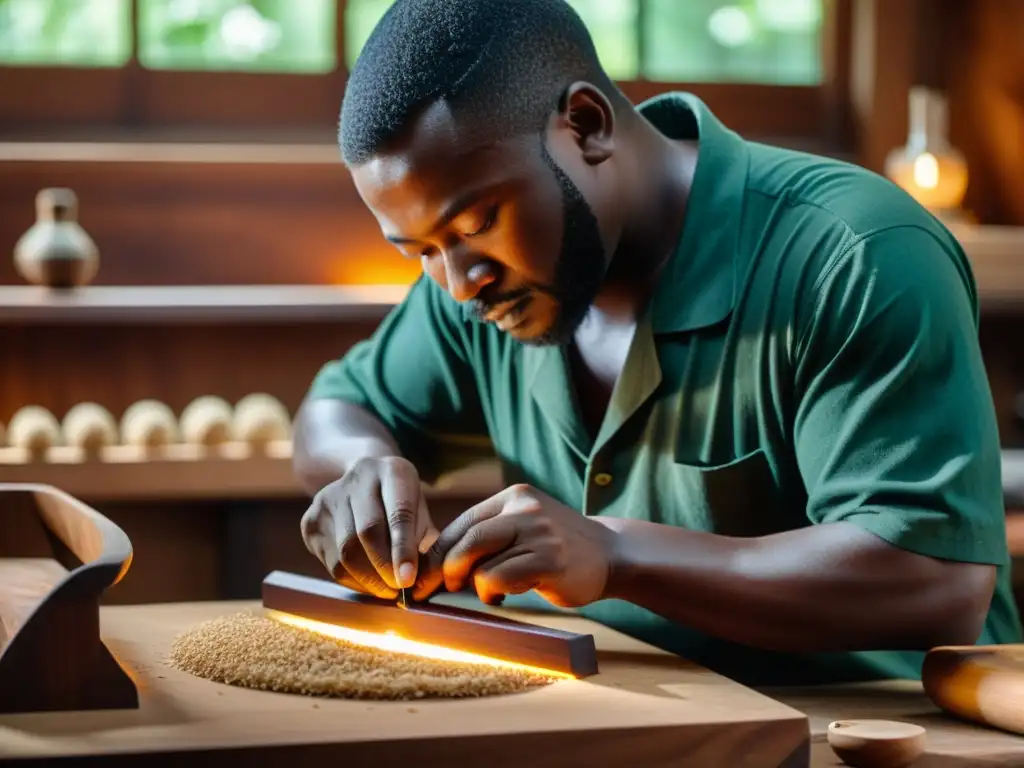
(253, 651)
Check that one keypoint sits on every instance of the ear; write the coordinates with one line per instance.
(588, 114)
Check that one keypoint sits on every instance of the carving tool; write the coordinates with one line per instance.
(319, 600)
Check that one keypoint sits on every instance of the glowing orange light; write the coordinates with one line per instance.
(392, 641)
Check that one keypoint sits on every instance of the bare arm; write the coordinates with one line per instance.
(330, 436)
(822, 588)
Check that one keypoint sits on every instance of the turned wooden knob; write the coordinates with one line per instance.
(35, 429)
(55, 251)
(149, 424)
(876, 743)
(206, 421)
(89, 426)
(259, 419)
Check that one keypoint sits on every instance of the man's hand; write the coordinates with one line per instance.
(369, 527)
(518, 540)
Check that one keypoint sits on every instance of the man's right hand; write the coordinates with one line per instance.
(369, 527)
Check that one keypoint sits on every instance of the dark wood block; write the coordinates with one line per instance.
(52, 656)
(466, 630)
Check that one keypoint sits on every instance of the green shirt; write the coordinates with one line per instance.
(810, 356)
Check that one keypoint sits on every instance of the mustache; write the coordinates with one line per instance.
(481, 304)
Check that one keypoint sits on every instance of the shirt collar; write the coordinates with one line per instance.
(697, 287)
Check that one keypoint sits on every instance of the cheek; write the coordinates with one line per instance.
(531, 240)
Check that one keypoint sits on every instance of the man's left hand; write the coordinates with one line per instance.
(518, 540)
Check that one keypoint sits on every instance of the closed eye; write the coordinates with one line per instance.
(492, 216)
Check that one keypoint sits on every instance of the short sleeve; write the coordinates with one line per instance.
(415, 376)
(895, 426)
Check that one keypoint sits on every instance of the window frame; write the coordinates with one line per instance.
(56, 102)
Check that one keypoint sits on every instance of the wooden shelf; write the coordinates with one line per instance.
(996, 253)
(997, 257)
(181, 472)
(234, 303)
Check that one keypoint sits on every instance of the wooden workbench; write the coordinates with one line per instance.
(645, 709)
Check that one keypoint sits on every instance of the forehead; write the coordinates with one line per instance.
(436, 161)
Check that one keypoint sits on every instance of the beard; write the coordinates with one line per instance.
(579, 270)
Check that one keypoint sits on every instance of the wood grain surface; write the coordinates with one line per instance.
(950, 743)
(645, 708)
(434, 623)
(984, 684)
(52, 657)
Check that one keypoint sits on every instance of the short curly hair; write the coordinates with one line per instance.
(501, 66)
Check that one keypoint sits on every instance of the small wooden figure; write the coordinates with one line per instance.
(34, 429)
(206, 421)
(56, 251)
(876, 743)
(89, 426)
(260, 419)
(149, 424)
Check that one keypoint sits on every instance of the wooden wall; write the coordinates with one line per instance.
(187, 214)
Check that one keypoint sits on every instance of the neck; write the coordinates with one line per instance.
(658, 185)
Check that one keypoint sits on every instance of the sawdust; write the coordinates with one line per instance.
(253, 651)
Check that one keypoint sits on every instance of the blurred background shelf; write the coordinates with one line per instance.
(233, 471)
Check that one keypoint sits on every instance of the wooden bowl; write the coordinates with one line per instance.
(876, 743)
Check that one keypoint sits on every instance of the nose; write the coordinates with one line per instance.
(467, 273)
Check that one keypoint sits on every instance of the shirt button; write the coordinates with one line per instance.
(602, 479)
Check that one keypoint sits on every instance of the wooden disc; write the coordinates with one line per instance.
(876, 743)
(89, 426)
(206, 421)
(260, 418)
(149, 424)
(35, 429)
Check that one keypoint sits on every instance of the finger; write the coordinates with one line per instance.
(353, 560)
(400, 492)
(309, 528)
(511, 573)
(481, 542)
(459, 527)
(426, 531)
(371, 528)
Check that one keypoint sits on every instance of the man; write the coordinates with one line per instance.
(736, 391)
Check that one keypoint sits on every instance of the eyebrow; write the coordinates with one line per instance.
(457, 206)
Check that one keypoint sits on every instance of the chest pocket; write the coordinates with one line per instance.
(737, 498)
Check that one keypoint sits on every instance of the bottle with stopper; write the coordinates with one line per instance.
(56, 251)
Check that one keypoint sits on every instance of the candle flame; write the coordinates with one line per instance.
(392, 641)
(926, 171)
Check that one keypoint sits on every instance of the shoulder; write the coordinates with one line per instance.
(826, 231)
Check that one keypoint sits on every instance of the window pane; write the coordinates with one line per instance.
(749, 41)
(612, 24)
(291, 36)
(361, 16)
(81, 33)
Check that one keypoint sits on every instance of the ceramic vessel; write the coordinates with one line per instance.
(55, 251)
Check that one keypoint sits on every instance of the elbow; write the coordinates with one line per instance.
(965, 596)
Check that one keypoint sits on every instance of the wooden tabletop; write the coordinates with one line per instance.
(645, 708)
(951, 744)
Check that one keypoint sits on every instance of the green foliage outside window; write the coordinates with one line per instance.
(750, 41)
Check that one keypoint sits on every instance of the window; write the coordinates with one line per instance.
(263, 63)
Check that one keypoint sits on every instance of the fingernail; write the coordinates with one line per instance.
(406, 574)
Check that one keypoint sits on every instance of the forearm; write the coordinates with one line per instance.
(823, 588)
(330, 435)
